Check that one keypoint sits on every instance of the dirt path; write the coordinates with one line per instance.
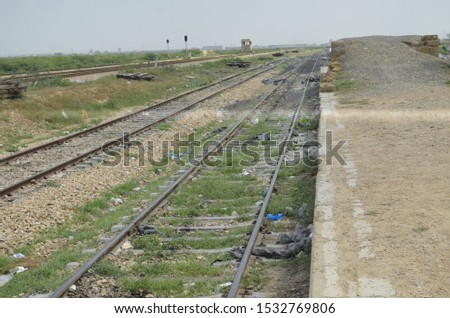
(382, 220)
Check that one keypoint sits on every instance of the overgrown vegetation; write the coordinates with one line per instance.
(88, 221)
(307, 123)
(60, 107)
(52, 82)
(33, 64)
(295, 186)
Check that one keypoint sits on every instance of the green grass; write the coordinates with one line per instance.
(89, 220)
(12, 149)
(307, 123)
(293, 192)
(45, 278)
(259, 129)
(206, 243)
(52, 82)
(253, 277)
(187, 276)
(165, 125)
(107, 268)
(5, 263)
(345, 86)
(60, 109)
(34, 64)
(13, 140)
(190, 267)
(343, 83)
(54, 106)
(447, 82)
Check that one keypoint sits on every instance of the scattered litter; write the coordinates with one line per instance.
(146, 230)
(312, 79)
(218, 289)
(254, 121)
(245, 172)
(240, 64)
(19, 255)
(273, 81)
(259, 203)
(20, 269)
(291, 244)
(64, 114)
(73, 288)
(136, 76)
(5, 278)
(273, 217)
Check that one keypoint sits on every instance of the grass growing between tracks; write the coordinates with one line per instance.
(220, 191)
(89, 222)
(295, 186)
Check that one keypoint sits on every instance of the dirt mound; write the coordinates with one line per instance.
(388, 63)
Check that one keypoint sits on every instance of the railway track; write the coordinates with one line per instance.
(101, 69)
(209, 207)
(31, 165)
(108, 68)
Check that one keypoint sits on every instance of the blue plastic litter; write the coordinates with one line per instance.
(274, 217)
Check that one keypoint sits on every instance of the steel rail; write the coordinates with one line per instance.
(114, 242)
(116, 67)
(249, 248)
(105, 68)
(119, 119)
(117, 141)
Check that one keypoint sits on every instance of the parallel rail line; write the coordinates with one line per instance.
(117, 141)
(111, 68)
(194, 168)
(102, 69)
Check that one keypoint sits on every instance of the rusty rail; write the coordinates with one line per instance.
(111, 143)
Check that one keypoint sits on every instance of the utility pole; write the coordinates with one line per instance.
(167, 41)
(185, 43)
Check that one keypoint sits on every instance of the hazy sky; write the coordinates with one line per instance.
(49, 26)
